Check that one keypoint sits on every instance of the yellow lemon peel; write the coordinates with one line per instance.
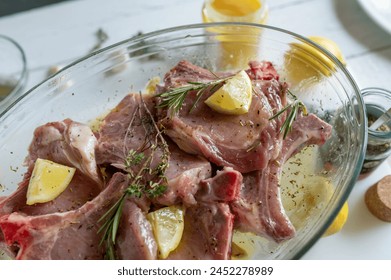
(234, 97)
(339, 221)
(167, 226)
(304, 61)
(48, 181)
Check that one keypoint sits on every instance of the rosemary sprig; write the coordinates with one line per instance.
(174, 98)
(295, 106)
(144, 179)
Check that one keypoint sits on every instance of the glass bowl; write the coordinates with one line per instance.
(90, 87)
(13, 71)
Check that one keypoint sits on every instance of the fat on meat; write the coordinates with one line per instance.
(66, 142)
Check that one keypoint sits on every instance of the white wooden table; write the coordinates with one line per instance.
(61, 33)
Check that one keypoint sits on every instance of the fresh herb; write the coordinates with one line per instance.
(174, 98)
(155, 189)
(295, 106)
(133, 158)
(145, 177)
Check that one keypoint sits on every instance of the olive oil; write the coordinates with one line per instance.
(5, 90)
(238, 45)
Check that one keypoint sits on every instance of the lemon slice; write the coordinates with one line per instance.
(48, 181)
(304, 61)
(339, 221)
(167, 225)
(234, 97)
(152, 85)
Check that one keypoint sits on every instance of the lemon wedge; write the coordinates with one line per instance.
(339, 221)
(152, 85)
(48, 181)
(234, 97)
(243, 245)
(304, 61)
(167, 225)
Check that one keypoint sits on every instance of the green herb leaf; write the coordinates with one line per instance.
(295, 106)
(133, 158)
(137, 186)
(174, 98)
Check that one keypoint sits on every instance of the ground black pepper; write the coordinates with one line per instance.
(375, 149)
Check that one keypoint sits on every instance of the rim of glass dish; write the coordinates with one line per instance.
(22, 80)
(362, 133)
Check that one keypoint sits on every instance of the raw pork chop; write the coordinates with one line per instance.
(259, 209)
(79, 191)
(117, 137)
(209, 224)
(245, 142)
(207, 233)
(68, 235)
(68, 143)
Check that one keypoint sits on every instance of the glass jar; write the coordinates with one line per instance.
(236, 49)
(377, 101)
(250, 11)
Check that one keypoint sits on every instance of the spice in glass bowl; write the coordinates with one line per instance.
(381, 148)
(377, 101)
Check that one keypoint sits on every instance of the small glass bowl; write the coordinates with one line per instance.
(13, 71)
(377, 101)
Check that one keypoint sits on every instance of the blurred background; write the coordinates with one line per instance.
(8, 7)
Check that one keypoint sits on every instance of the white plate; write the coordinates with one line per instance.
(379, 11)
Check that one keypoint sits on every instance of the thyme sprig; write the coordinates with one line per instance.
(295, 106)
(133, 158)
(173, 99)
(144, 179)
